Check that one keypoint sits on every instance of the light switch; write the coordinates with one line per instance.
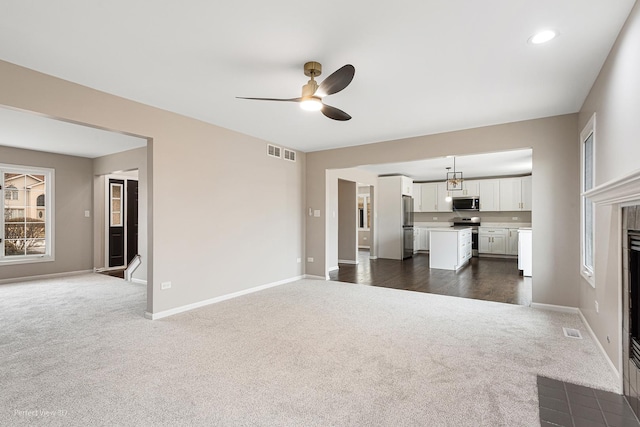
(87, 214)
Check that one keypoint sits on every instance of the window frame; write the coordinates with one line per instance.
(49, 215)
(587, 271)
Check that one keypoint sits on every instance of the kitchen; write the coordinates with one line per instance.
(492, 209)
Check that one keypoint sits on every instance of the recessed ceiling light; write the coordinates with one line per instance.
(543, 36)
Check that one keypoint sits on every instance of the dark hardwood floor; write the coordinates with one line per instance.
(491, 279)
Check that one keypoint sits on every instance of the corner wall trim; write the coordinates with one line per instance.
(139, 281)
(551, 307)
(333, 268)
(600, 347)
(188, 307)
(45, 276)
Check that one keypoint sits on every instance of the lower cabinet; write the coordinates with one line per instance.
(421, 241)
(512, 241)
(449, 249)
(492, 241)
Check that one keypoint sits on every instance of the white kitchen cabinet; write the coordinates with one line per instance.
(525, 251)
(492, 241)
(512, 241)
(407, 186)
(470, 188)
(441, 204)
(417, 198)
(515, 194)
(422, 239)
(449, 248)
(489, 191)
(429, 197)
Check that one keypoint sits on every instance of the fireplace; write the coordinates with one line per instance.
(631, 305)
(633, 255)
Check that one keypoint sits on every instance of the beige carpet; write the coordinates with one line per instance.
(78, 352)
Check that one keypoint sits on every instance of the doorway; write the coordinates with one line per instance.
(121, 219)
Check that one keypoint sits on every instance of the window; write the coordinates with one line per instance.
(27, 223)
(587, 207)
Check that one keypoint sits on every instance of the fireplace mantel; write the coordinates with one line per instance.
(620, 190)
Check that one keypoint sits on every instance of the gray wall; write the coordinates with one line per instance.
(347, 220)
(73, 195)
(247, 229)
(555, 184)
(615, 99)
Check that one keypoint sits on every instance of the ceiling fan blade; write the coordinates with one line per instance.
(336, 81)
(272, 99)
(334, 113)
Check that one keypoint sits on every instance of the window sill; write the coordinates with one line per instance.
(27, 260)
(588, 277)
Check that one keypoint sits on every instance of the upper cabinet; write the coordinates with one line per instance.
(470, 188)
(490, 195)
(499, 194)
(515, 194)
(431, 197)
(407, 186)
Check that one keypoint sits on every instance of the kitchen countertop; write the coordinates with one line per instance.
(451, 229)
(442, 224)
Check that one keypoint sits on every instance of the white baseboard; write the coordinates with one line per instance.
(364, 247)
(311, 276)
(333, 268)
(188, 307)
(347, 261)
(373, 257)
(139, 281)
(45, 276)
(551, 307)
(597, 341)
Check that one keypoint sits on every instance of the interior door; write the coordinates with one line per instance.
(132, 219)
(116, 223)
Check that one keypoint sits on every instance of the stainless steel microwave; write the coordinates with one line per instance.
(466, 203)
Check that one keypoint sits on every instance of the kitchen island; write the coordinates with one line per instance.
(449, 248)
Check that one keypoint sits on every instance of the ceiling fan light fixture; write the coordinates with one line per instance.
(311, 103)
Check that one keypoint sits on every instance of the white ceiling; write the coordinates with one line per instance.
(515, 162)
(422, 66)
(33, 132)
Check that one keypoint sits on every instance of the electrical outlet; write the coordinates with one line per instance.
(87, 214)
(435, 218)
(514, 218)
(299, 260)
(597, 307)
(310, 259)
(364, 238)
(165, 285)
(316, 213)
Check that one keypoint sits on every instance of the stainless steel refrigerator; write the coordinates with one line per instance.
(407, 227)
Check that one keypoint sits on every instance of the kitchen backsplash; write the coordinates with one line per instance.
(486, 217)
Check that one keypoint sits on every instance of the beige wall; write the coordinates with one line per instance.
(555, 184)
(614, 98)
(73, 232)
(347, 220)
(125, 161)
(252, 230)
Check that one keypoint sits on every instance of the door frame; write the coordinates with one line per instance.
(106, 213)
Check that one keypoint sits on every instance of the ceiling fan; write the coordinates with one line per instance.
(312, 93)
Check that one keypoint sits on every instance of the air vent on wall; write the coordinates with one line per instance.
(289, 155)
(274, 151)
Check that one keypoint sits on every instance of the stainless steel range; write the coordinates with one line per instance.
(474, 223)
